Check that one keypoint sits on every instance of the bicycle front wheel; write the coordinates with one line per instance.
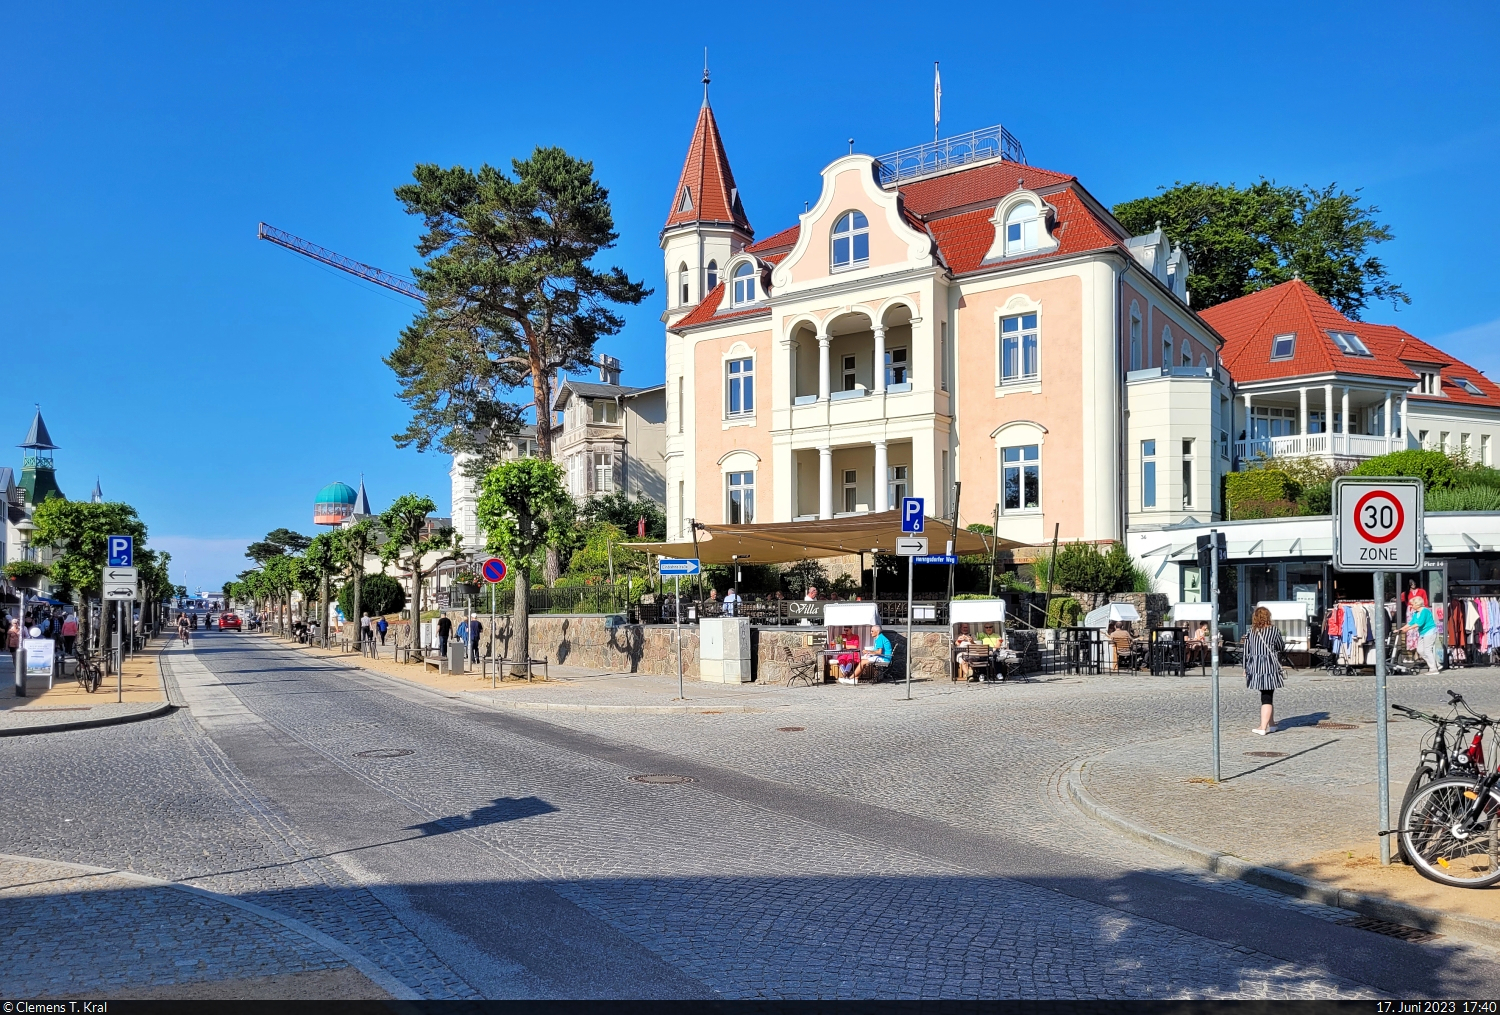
(1441, 839)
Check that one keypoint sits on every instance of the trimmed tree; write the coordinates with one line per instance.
(409, 542)
(321, 557)
(77, 532)
(525, 509)
(351, 547)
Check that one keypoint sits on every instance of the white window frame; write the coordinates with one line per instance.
(1021, 332)
(1149, 477)
(1484, 449)
(745, 373)
(1189, 471)
(1021, 464)
(850, 374)
(1023, 231)
(683, 290)
(604, 471)
(943, 353)
(848, 227)
(604, 407)
(897, 484)
(891, 366)
(745, 284)
(1135, 335)
(741, 481)
(851, 490)
(711, 277)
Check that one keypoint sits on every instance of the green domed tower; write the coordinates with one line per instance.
(38, 476)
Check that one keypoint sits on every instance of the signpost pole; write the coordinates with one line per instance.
(677, 615)
(20, 673)
(1213, 635)
(119, 659)
(910, 567)
(1382, 755)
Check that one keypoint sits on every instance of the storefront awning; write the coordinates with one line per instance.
(787, 542)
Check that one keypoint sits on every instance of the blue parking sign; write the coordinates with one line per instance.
(121, 550)
(912, 514)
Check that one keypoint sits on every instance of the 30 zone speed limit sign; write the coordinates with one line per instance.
(1377, 524)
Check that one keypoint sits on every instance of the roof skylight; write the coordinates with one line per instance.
(1349, 343)
(1283, 346)
(1468, 385)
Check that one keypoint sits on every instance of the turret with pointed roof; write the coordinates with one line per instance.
(38, 475)
(706, 224)
(97, 497)
(362, 501)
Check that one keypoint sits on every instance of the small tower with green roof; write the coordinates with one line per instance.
(38, 475)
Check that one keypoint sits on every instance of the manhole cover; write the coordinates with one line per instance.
(1338, 726)
(1265, 754)
(661, 780)
(385, 752)
(790, 729)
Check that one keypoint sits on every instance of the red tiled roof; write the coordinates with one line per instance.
(965, 238)
(708, 180)
(986, 183)
(1413, 351)
(787, 238)
(705, 312)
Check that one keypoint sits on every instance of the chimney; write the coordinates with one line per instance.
(609, 369)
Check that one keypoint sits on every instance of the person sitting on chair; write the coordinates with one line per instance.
(1119, 633)
(875, 658)
(962, 642)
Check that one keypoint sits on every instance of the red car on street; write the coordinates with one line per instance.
(229, 621)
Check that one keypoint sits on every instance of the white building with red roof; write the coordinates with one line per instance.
(943, 314)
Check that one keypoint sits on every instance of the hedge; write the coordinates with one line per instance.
(1435, 469)
(1260, 484)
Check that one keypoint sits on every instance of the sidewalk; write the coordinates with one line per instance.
(1303, 801)
(69, 706)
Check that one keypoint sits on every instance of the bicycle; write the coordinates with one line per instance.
(89, 673)
(1450, 827)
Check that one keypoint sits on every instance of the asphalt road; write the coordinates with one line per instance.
(881, 851)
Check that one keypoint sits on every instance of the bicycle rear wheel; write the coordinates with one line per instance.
(1440, 840)
(1424, 774)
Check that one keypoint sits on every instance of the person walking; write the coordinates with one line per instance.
(70, 633)
(445, 628)
(463, 633)
(1424, 624)
(381, 626)
(1262, 654)
(364, 628)
(476, 628)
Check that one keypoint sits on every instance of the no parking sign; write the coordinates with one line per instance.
(493, 570)
(1377, 524)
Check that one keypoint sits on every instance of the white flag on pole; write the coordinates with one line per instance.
(937, 99)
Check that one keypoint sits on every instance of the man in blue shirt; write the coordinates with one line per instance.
(876, 658)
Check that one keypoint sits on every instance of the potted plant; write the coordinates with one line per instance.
(465, 583)
(26, 574)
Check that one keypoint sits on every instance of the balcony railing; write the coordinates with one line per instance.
(949, 153)
(1335, 445)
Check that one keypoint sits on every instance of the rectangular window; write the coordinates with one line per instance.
(1422, 438)
(1443, 441)
(679, 405)
(1463, 445)
(741, 387)
(604, 472)
(1018, 349)
(850, 490)
(1021, 484)
(895, 367)
(604, 410)
(1484, 449)
(943, 486)
(1349, 343)
(1188, 479)
(681, 507)
(897, 484)
(943, 352)
(1148, 474)
(849, 381)
(741, 498)
(1283, 346)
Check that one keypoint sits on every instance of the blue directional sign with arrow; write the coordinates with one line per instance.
(679, 566)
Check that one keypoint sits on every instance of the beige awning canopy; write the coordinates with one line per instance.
(786, 542)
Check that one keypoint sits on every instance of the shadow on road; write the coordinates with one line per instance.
(502, 809)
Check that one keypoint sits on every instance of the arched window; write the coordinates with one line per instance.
(1135, 336)
(1021, 228)
(1166, 346)
(682, 285)
(851, 240)
(713, 276)
(1187, 353)
(744, 284)
(1203, 360)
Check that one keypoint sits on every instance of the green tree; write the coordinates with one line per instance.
(77, 532)
(379, 594)
(321, 558)
(511, 293)
(626, 513)
(1239, 240)
(351, 548)
(411, 542)
(524, 509)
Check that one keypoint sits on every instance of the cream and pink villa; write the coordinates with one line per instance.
(947, 314)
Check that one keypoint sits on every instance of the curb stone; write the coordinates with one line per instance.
(385, 981)
(1468, 928)
(82, 724)
(559, 706)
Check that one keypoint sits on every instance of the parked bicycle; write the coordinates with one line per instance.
(89, 672)
(1450, 824)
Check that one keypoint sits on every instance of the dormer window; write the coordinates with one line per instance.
(713, 276)
(1427, 383)
(1349, 343)
(1469, 386)
(744, 284)
(1022, 228)
(851, 241)
(685, 203)
(1284, 346)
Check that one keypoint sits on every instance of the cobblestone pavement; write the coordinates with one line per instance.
(35, 718)
(885, 848)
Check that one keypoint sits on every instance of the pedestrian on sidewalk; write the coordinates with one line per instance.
(381, 626)
(70, 633)
(463, 633)
(1424, 624)
(1262, 654)
(445, 628)
(476, 628)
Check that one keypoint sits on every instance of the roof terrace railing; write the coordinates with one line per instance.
(949, 153)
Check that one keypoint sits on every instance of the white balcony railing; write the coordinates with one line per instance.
(1334, 445)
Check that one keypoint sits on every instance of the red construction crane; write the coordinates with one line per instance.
(381, 277)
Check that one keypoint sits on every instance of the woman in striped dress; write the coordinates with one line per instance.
(1263, 647)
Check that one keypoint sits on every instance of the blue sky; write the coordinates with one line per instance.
(216, 382)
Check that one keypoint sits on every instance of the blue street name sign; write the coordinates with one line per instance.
(494, 570)
(679, 566)
(936, 558)
(912, 514)
(121, 551)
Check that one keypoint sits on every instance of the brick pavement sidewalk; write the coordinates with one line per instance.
(66, 704)
(1303, 800)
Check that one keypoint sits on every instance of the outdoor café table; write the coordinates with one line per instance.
(828, 660)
